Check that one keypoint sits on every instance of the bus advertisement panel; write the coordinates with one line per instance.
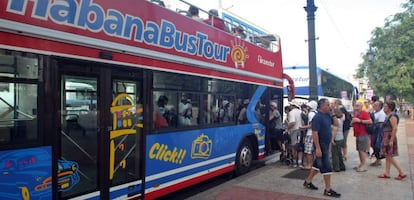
(127, 99)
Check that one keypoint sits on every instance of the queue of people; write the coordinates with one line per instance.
(326, 129)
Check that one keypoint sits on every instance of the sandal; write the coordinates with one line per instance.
(384, 176)
(361, 170)
(400, 177)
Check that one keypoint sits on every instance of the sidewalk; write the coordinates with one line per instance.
(269, 182)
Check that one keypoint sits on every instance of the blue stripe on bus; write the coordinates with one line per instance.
(252, 106)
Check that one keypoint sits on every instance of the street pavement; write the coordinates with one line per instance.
(268, 183)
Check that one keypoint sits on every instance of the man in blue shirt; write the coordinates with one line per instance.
(322, 136)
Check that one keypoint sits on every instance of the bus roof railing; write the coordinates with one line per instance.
(267, 41)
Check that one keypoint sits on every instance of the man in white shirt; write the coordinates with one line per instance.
(295, 122)
(379, 117)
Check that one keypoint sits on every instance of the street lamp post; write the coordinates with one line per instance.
(313, 82)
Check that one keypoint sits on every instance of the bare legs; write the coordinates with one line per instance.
(312, 173)
(362, 158)
(309, 160)
(389, 160)
(344, 152)
(326, 178)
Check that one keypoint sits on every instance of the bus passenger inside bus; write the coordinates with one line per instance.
(185, 114)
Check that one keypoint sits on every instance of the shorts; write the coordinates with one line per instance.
(294, 137)
(308, 144)
(362, 143)
(279, 134)
(323, 164)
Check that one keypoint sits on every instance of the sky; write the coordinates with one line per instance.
(343, 27)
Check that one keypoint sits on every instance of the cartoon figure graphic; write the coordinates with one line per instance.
(127, 116)
(238, 53)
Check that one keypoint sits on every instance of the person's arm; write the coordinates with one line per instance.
(315, 137)
(309, 125)
(355, 119)
(365, 119)
(271, 115)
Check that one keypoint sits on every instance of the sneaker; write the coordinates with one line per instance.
(310, 186)
(331, 193)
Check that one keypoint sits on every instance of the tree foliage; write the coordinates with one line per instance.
(389, 62)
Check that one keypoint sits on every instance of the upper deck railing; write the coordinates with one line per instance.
(227, 23)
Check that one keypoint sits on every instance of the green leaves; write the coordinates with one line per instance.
(389, 63)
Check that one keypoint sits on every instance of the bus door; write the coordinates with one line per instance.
(126, 152)
(101, 131)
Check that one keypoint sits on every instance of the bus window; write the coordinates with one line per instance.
(125, 152)
(18, 109)
(206, 114)
(224, 109)
(188, 109)
(79, 121)
(80, 105)
(165, 109)
(18, 100)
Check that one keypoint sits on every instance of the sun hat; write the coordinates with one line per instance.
(312, 104)
(294, 103)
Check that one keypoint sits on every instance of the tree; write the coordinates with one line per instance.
(389, 62)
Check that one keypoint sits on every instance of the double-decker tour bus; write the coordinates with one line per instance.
(329, 86)
(125, 100)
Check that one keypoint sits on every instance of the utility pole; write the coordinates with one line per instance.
(313, 82)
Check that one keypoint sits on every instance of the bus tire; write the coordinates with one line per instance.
(244, 158)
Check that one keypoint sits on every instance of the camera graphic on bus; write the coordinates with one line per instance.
(201, 147)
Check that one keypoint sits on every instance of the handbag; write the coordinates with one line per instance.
(378, 144)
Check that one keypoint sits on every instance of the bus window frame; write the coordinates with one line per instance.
(36, 82)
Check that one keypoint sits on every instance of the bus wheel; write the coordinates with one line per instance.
(244, 158)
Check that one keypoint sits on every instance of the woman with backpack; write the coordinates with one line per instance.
(389, 147)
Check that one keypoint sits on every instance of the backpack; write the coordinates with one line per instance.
(371, 128)
(304, 117)
(348, 118)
